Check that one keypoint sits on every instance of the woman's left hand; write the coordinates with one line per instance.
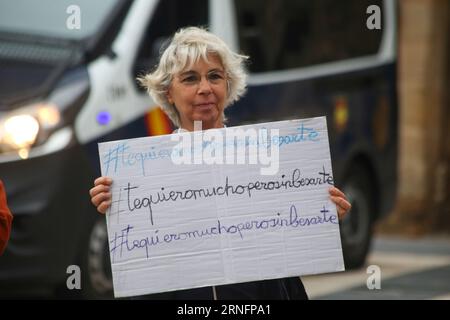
(342, 204)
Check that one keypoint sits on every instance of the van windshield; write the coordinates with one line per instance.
(65, 19)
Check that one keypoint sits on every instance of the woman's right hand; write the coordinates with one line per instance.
(100, 194)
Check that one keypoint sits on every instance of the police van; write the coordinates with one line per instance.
(68, 72)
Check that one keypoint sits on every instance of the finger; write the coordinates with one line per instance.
(103, 207)
(100, 188)
(103, 180)
(341, 212)
(336, 192)
(341, 202)
(99, 198)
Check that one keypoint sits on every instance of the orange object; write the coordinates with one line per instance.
(5, 220)
(341, 114)
(158, 123)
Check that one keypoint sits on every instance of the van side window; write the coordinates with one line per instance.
(285, 34)
(169, 16)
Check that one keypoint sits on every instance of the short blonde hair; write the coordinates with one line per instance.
(187, 47)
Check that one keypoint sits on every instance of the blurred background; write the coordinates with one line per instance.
(378, 70)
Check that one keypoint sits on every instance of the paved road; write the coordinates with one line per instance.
(410, 269)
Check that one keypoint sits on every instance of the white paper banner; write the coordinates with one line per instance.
(260, 211)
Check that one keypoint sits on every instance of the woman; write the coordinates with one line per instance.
(198, 76)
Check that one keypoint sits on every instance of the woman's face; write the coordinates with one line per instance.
(199, 94)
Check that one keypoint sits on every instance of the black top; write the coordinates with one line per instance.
(276, 289)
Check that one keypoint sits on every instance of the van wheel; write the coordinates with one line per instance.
(356, 227)
(97, 278)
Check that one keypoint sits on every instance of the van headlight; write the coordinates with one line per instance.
(26, 127)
